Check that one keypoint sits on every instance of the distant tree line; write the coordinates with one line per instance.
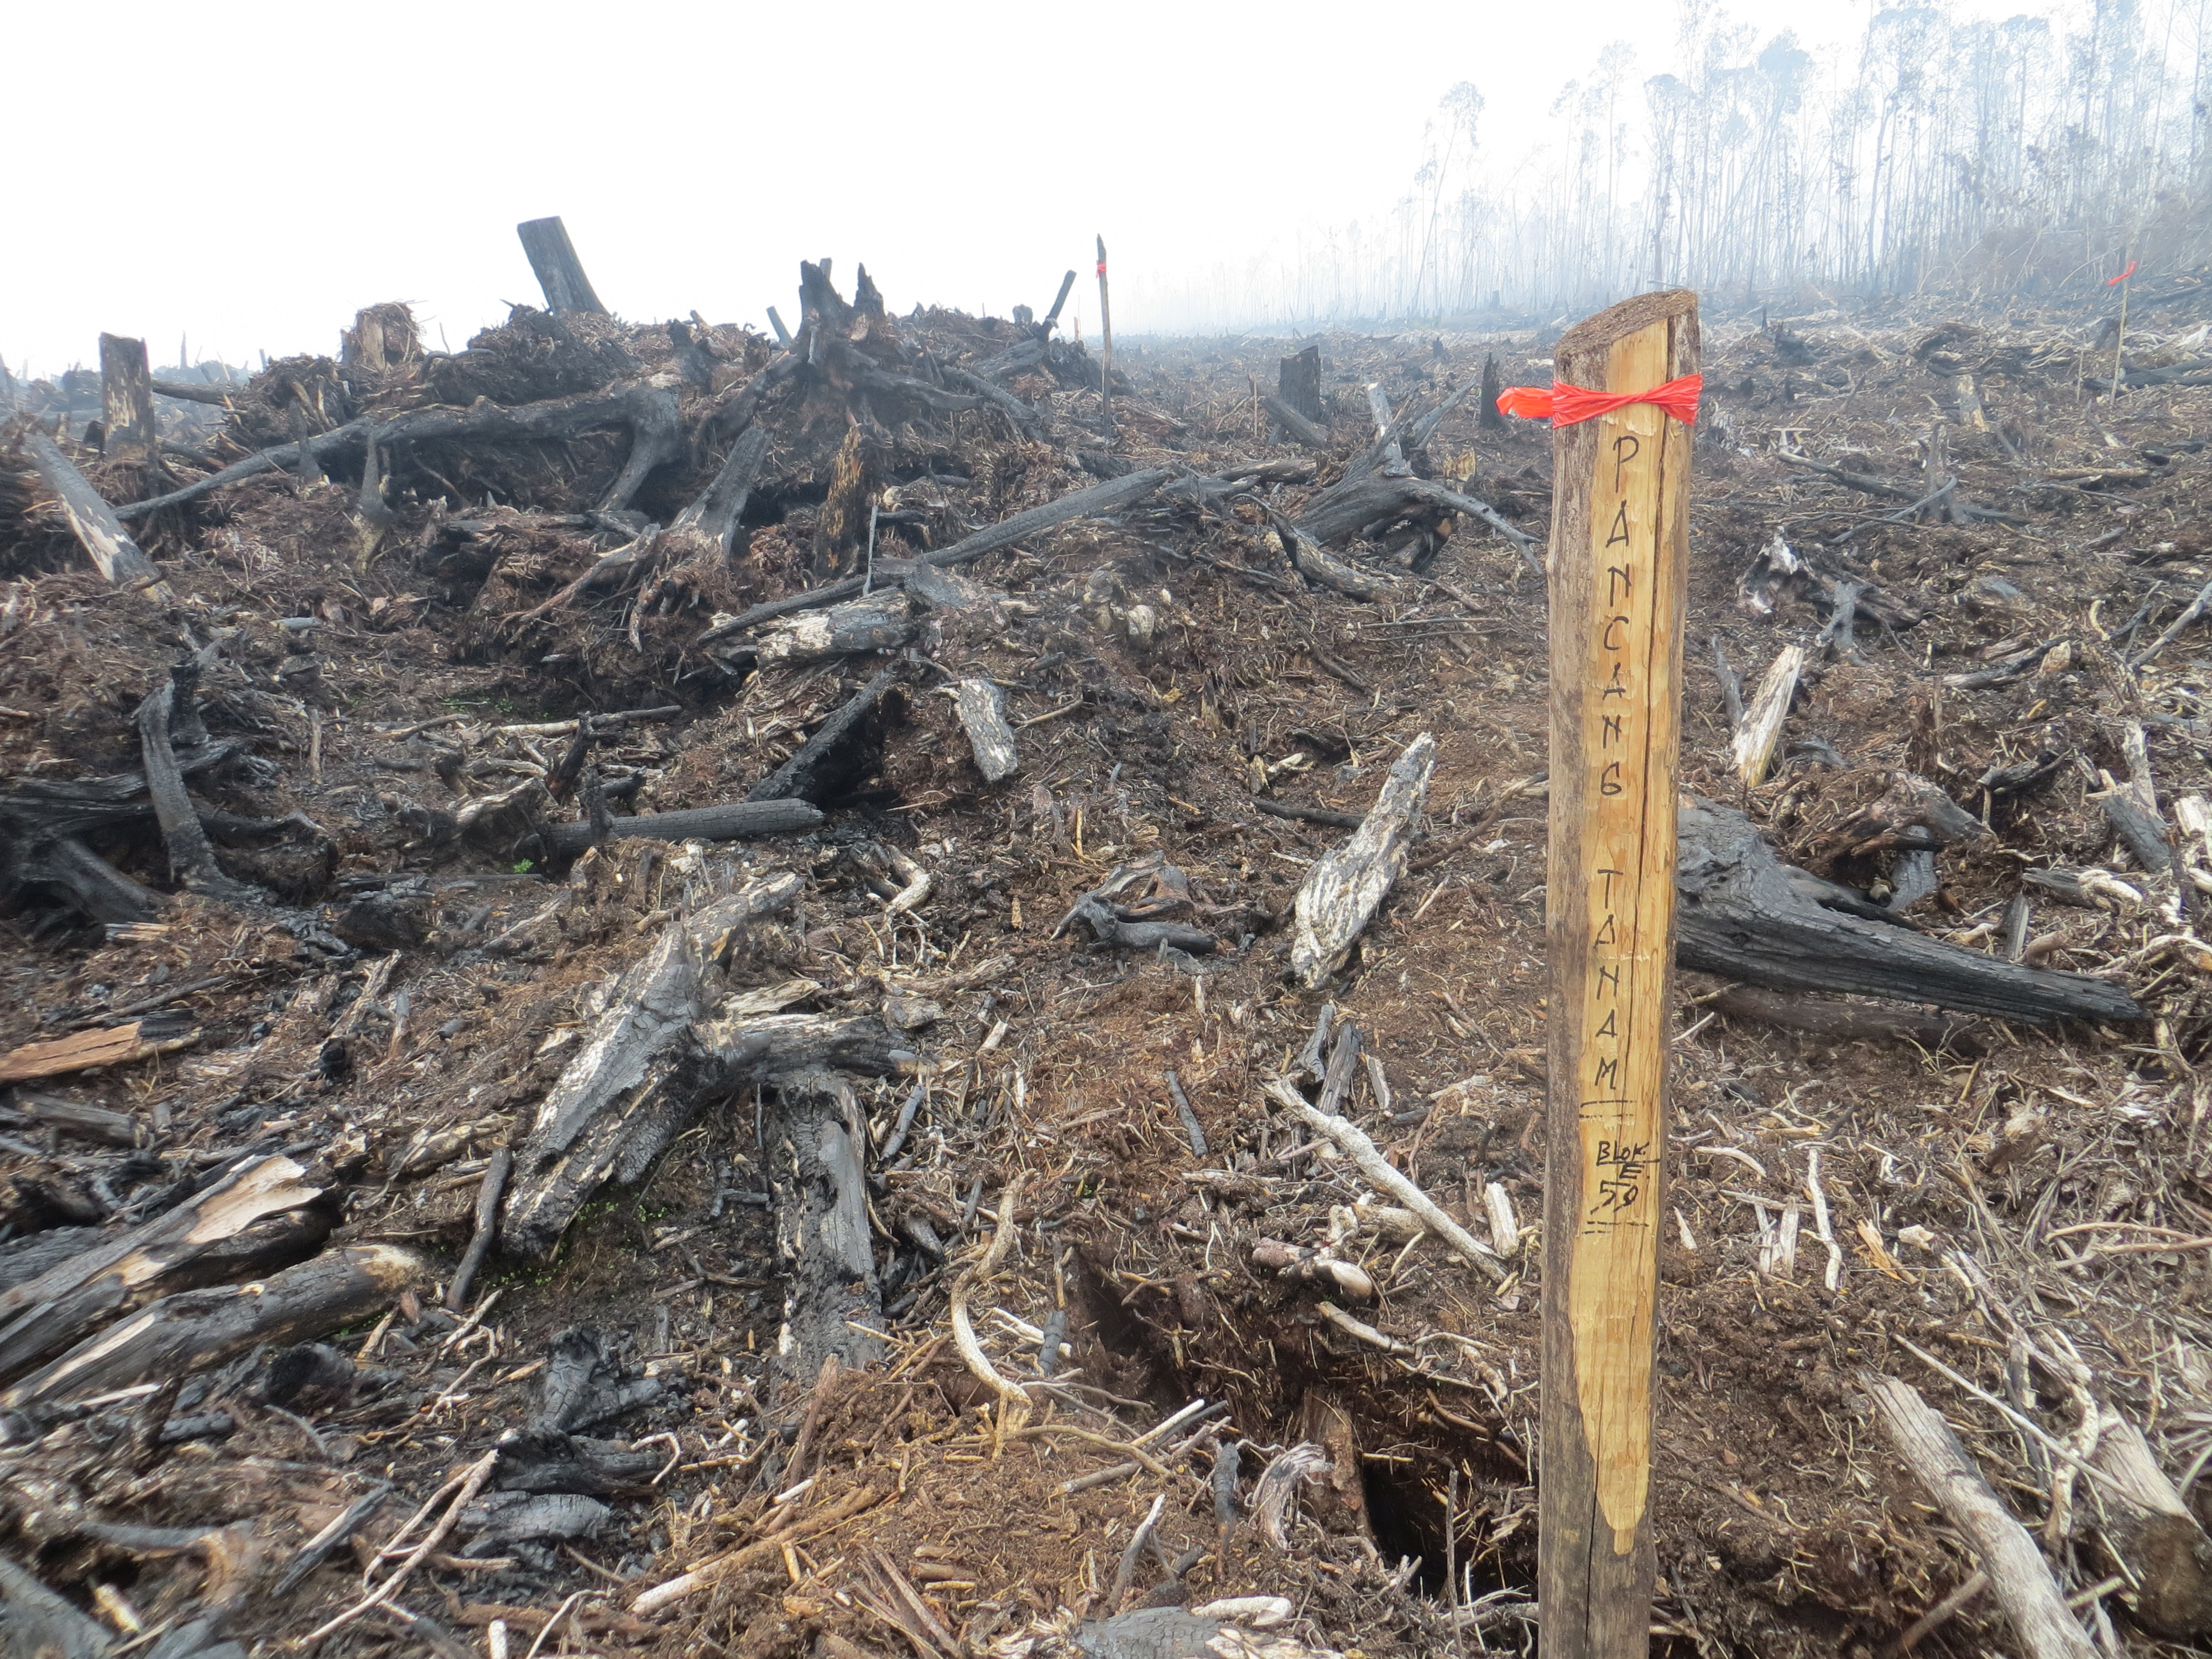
(2031, 157)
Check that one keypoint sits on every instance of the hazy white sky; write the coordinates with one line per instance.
(251, 173)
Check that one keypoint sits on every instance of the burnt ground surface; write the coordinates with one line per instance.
(1165, 671)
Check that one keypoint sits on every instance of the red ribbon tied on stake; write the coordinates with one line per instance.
(1570, 405)
(2114, 282)
(1102, 267)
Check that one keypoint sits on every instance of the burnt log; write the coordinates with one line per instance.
(1746, 916)
(98, 526)
(261, 1216)
(1307, 432)
(1339, 513)
(181, 1334)
(804, 773)
(735, 821)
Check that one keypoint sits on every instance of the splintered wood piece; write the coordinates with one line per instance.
(988, 734)
(118, 1045)
(553, 260)
(126, 400)
(2019, 1578)
(1342, 891)
(1761, 733)
(1619, 552)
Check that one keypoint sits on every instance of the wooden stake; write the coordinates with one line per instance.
(1106, 359)
(1619, 547)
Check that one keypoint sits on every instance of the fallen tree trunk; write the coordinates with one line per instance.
(1338, 514)
(1746, 916)
(181, 1334)
(99, 529)
(877, 622)
(736, 821)
(1125, 491)
(646, 407)
(1342, 891)
(1309, 433)
(57, 1307)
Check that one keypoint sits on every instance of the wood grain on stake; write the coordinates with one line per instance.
(1620, 533)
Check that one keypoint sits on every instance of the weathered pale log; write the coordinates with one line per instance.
(57, 1307)
(1307, 558)
(2153, 1537)
(735, 821)
(1342, 891)
(560, 273)
(876, 622)
(988, 735)
(181, 1334)
(1746, 916)
(2019, 1577)
(97, 527)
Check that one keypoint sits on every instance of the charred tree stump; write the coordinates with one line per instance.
(128, 430)
(832, 1301)
(631, 1089)
(1297, 384)
(560, 273)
